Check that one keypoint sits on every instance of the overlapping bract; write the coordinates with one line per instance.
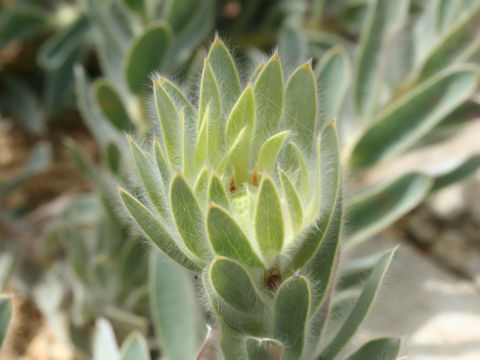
(246, 189)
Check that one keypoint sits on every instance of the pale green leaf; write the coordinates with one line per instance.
(151, 179)
(360, 309)
(269, 98)
(293, 202)
(269, 228)
(134, 348)
(201, 188)
(373, 210)
(228, 239)
(404, 122)
(292, 305)
(189, 218)
(176, 315)
(217, 192)
(242, 116)
(294, 164)
(300, 109)
(215, 127)
(161, 160)
(257, 72)
(269, 152)
(156, 231)
(104, 343)
(226, 75)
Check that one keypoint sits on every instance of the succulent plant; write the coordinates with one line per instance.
(244, 191)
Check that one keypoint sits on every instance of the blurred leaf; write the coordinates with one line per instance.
(135, 348)
(61, 44)
(404, 122)
(360, 310)
(189, 218)
(5, 316)
(146, 55)
(156, 231)
(458, 173)
(378, 349)
(292, 46)
(104, 343)
(228, 239)
(333, 78)
(292, 305)
(176, 315)
(384, 17)
(373, 210)
(112, 105)
(113, 157)
(24, 105)
(137, 6)
(20, 22)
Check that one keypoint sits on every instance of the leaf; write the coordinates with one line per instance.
(170, 124)
(225, 74)
(112, 105)
(292, 305)
(235, 286)
(217, 192)
(360, 310)
(244, 316)
(146, 55)
(210, 97)
(264, 349)
(162, 163)
(104, 343)
(227, 238)
(300, 108)
(378, 349)
(269, 230)
(156, 231)
(293, 202)
(176, 315)
(462, 170)
(451, 46)
(404, 122)
(371, 211)
(201, 149)
(322, 267)
(137, 6)
(333, 78)
(201, 188)
(189, 218)
(326, 194)
(269, 97)
(5, 316)
(54, 52)
(134, 348)
(257, 72)
(189, 124)
(269, 152)
(193, 32)
(21, 22)
(292, 46)
(383, 18)
(294, 163)
(242, 116)
(112, 157)
(151, 179)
